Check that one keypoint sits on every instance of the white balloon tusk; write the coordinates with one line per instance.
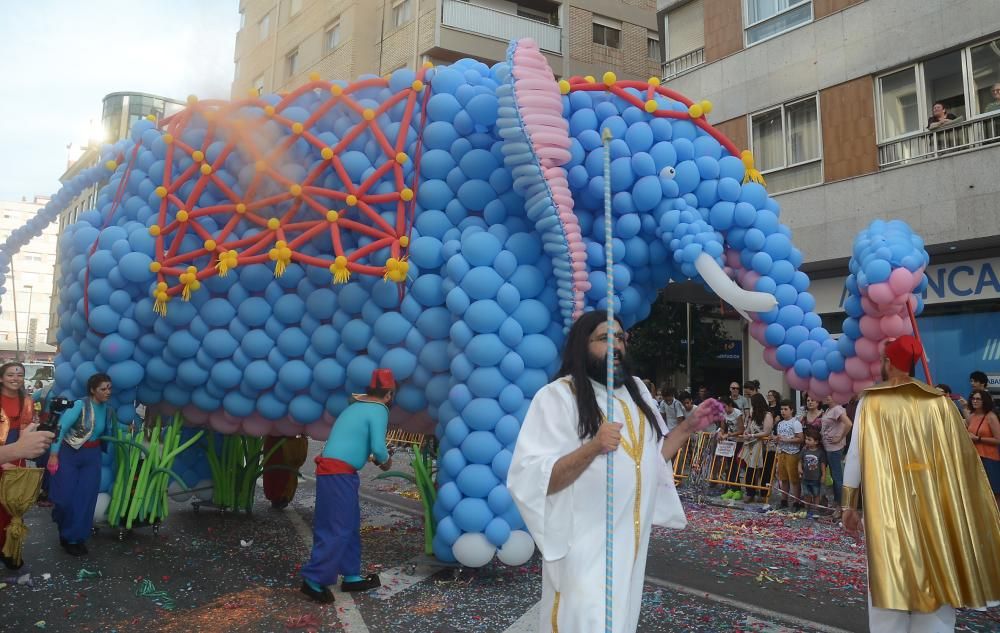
(728, 291)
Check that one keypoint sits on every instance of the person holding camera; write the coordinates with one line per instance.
(75, 464)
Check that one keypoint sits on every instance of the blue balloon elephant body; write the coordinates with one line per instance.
(492, 270)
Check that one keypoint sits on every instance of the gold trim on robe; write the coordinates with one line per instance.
(931, 523)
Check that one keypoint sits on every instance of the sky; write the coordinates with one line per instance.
(58, 58)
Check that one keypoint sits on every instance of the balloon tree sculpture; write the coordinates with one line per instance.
(250, 262)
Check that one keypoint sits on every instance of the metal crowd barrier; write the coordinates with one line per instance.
(700, 460)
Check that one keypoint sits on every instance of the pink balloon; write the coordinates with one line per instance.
(867, 349)
(868, 306)
(194, 415)
(902, 282)
(881, 293)
(819, 389)
(257, 426)
(892, 325)
(198, 421)
(288, 427)
(861, 385)
(223, 424)
(856, 368)
(840, 381)
(796, 382)
(750, 279)
(733, 259)
(757, 330)
(771, 357)
(870, 329)
(875, 367)
(842, 398)
(318, 431)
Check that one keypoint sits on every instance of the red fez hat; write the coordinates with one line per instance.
(904, 352)
(382, 379)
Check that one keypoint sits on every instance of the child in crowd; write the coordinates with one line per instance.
(728, 468)
(812, 467)
(788, 435)
(671, 409)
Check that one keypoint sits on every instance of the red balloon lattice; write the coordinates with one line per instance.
(282, 235)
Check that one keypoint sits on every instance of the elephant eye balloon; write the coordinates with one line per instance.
(668, 172)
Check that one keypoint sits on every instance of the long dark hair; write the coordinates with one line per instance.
(574, 365)
(758, 408)
(20, 392)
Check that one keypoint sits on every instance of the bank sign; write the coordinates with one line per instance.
(946, 283)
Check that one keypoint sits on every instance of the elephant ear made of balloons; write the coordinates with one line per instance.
(250, 262)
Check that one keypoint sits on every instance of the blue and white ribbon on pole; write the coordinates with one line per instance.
(609, 522)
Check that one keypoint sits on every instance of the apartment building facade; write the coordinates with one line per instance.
(24, 306)
(281, 42)
(834, 97)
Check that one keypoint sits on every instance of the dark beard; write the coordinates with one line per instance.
(597, 369)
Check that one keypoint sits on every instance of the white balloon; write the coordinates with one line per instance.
(518, 549)
(101, 509)
(203, 490)
(177, 493)
(728, 291)
(472, 549)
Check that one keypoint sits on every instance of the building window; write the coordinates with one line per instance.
(607, 32)
(264, 28)
(786, 144)
(292, 63)
(984, 60)
(538, 15)
(331, 37)
(294, 6)
(961, 80)
(653, 47)
(765, 19)
(258, 85)
(402, 12)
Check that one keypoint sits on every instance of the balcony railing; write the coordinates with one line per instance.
(684, 63)
(942, 141)
(497, 24)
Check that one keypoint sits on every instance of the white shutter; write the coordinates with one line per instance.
(685, 29)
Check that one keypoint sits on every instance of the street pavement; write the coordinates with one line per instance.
(730, 570)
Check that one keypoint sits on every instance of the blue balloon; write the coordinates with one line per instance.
(472, 514)
(774, 335)
(476, 480)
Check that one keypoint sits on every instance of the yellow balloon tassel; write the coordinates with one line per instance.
(396, 269)
(161, 296)
(281, 255)
(753, 174)
(227, 261)
(190, 281)
(341, 273)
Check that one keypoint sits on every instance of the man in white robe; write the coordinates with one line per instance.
(558, 481)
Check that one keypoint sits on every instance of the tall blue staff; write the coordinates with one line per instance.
(609, 521)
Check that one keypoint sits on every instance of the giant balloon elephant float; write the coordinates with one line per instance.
(250, 263)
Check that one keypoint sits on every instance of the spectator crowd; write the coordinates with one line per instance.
(768, 450)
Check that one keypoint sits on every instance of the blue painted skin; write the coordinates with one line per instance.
(479, 328)
(359, 432)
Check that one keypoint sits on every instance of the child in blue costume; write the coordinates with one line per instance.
(359, 432)
(75, 464)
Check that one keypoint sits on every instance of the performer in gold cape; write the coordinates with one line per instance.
(931, 525)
